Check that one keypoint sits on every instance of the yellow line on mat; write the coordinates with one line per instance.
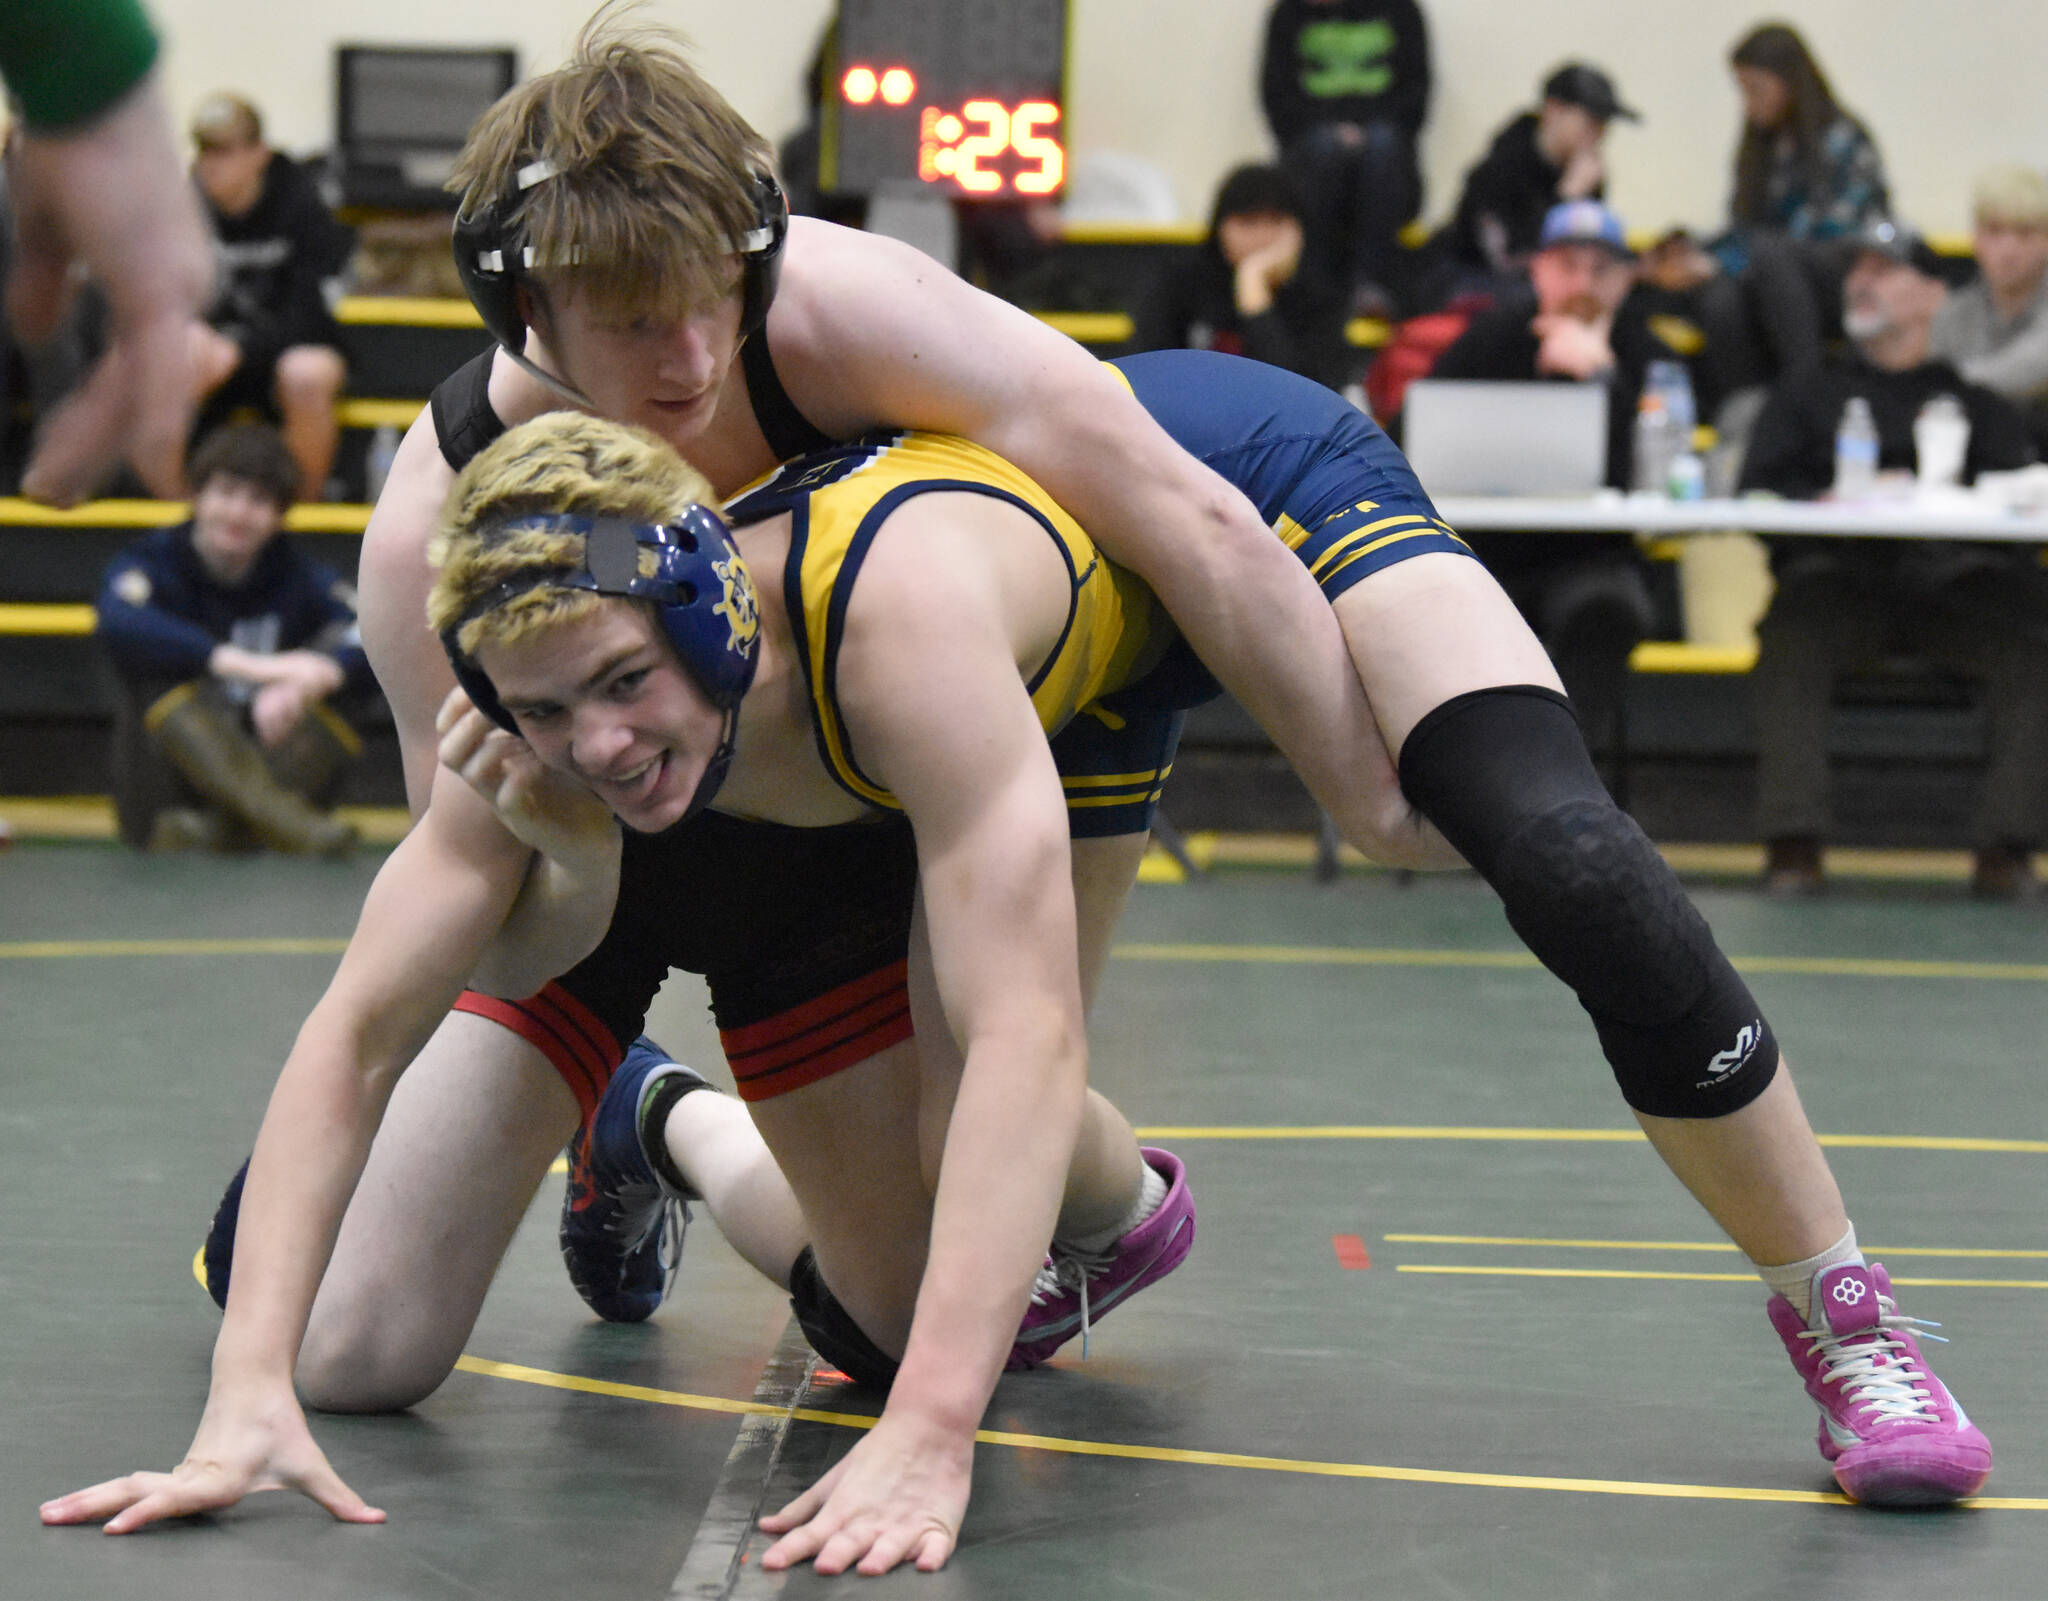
(1217, 1459)
(1365, 956)
(171, 947)
(1697, 1278)
(1595, 1136)
(1684, 1245)
(1281, 955)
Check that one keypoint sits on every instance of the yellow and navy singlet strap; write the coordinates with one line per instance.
(1325, 476)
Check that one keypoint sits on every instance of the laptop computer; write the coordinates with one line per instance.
(1475, 437)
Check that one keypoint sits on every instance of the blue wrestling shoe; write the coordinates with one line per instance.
(622, 1223)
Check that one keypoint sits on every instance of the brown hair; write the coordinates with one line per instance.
(651, 172)
(251, 451)
(561, 461)
(1777, 48)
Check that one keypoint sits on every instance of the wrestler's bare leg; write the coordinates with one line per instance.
(471, 1130)
(1438, 626)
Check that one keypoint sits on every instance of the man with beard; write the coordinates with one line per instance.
(1585, 595)
(1979, 609)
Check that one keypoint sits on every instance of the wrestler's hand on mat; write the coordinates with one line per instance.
(546, 810)
(236, 1452)
(898, 1495)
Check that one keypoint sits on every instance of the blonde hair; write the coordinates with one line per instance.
(561, 461)
(2016, 196)
(226, 121)
(651, 183)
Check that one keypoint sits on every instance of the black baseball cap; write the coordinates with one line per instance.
(1590, 89)
(1896, 241)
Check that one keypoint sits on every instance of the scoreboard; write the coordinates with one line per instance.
(952, 97)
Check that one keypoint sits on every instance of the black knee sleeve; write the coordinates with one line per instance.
(831, 1330)
(1504, 774)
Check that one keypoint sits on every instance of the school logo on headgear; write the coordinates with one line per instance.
(738, 607)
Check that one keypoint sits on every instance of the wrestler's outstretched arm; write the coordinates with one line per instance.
(435, 904)
(935, 706)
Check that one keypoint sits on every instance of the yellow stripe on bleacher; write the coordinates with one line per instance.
(44, 619)
(406, 311)
(331, 518)
(1676, 656)
(1133, 233)
(1090, 327)
(357, 413)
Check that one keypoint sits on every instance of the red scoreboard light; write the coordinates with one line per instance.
(963, 96)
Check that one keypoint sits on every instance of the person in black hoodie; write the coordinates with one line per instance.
(1246, 292)
(275, 345)
(1345, 84)
(1540, 159)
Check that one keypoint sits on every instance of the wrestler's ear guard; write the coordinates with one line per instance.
(701, 590)
(491, 263)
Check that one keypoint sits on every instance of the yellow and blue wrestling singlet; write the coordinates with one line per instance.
(1323, 474)
(1115, 691)
(838, 501)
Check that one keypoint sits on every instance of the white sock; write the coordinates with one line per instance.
(1151, 1196)
(1794, 1280)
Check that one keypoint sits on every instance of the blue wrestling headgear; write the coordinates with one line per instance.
(702, 592)
(491, 263)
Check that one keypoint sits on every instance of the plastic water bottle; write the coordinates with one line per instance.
(1657, 443)
(377, 464)
(1674, 383)
(1688, 480)
(1856, 451)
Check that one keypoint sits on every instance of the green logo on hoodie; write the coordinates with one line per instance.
(1346, 58)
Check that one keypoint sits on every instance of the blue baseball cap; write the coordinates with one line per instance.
(1584, 222)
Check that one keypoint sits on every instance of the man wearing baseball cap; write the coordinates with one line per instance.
(1573, 320)
(1977, 609)
(1543, 157)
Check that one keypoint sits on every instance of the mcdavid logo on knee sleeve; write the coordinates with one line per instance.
(1722, 1063)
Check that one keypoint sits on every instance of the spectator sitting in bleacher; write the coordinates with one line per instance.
(1585, 595)
(1246, 291)
(1768, 290)
(1995, 330)
(1539, 160)
(1978, 608)
(1345, 86)
(228, 643)
(275, 346)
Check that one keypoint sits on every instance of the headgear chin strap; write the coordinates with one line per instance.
(701, 591)
(491, 264)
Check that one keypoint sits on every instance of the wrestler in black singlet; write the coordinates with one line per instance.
(801, 933)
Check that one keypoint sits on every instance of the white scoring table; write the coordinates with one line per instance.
(1963, 517)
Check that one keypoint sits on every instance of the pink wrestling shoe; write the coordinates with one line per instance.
(1077, 1290)
(1895, 1435)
